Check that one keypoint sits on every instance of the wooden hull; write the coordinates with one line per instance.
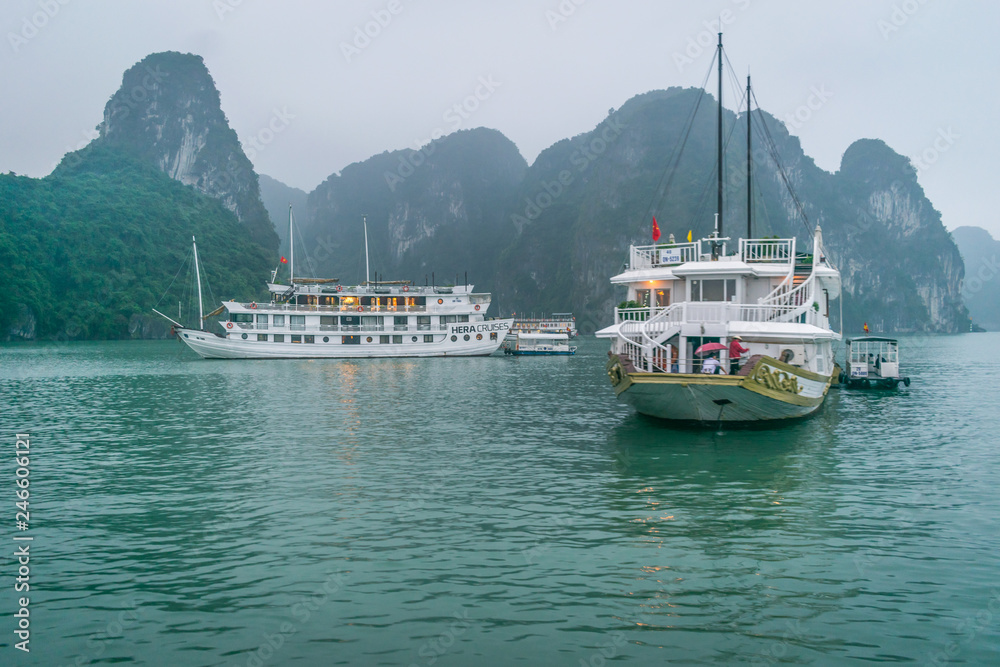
(772, 391)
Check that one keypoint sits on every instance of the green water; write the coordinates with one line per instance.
(500, 510)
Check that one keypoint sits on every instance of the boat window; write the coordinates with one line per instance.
(662, 298)
(449, 319)
(400, 320)
(423, 322)
(262, 337)
(296, 339)
(642, 297)
(296, 322)
(713, 290)
(241, 317)
(428, 338)
(279, 320)
(310, 339)
(398, 340)
(278, 338)
(262, 319)
(383, 340)
(352, 340)
(328, 301)
(350, 320)
(371, 322)
(463, 318)
(731, 289)
(328, 320)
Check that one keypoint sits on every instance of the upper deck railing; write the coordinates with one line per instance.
(672, 254)
(767, 250)
(663, 254)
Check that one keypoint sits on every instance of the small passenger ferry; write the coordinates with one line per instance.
(873, 362)
(558, 323)
(535, 344)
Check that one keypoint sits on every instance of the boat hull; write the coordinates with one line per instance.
(211, 346)
(772, 391)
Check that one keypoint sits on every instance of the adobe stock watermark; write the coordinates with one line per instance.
(223, 7)
(432, 650)
(370, 30)
(945, 139)
(455, 116)
(707, 39)
(899, 16)
(818, 97)
(987, 270)
(562, 13)
(280, 120)
(581, 159)
(32, 25)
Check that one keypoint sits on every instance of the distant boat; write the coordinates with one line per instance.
(761, 292)
(535, 344)
(557, 323)
(320, 318)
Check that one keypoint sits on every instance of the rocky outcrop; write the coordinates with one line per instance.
(168, 113)
(981, 289)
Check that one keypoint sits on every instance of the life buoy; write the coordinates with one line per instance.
(361, 308)
(477, 306)
(340, 288)
(440, 301)
(253, 305)
(406, 288)
(229, 325)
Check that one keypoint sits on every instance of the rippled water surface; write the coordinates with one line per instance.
(493, 511)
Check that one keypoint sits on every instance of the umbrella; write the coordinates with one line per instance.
(710, 347)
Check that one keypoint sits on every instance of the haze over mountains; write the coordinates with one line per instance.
(542, 237)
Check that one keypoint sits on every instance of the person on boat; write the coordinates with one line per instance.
(736, 350)
(674, 367)
(711, 365)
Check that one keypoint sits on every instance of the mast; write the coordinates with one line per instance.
(365, 219)
(291, 249)
(197, 277)
(749, 167)
(719, 138)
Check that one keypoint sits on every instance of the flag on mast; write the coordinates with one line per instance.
(656, 230)
(284, 261)
(689, 235)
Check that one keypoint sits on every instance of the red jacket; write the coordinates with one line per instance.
(735, 349)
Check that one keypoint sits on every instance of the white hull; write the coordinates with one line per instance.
(210, 346)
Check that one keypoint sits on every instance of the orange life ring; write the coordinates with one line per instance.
(361, 309)
(229, 325)
(406, 288)
(340, 288)
(477, 306)
(440, 300)
(253, 305)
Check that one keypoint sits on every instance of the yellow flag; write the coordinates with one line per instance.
(689, 236)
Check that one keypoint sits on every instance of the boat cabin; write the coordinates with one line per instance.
(873, 361)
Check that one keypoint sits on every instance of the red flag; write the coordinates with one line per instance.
(866, 327)
(284, 261)
(656, 230)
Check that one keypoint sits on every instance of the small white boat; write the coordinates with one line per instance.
(534, 344)
(873, 362)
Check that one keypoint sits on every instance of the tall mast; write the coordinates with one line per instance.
(365, 219)
(197, 277)
(719, 137)
(749, 167)
(291, 248)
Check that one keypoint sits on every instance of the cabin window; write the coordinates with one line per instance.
(449, 319)
(428, 338)
(350, 320)
(423, 322)
(463, 318)
(399, 322)
(279, 320)
(328, 301)
(713, 290)
(397, 340)
(278, 338)
(296, 339)
(383, 340)
(662, 298)
(262, 320)
(642, 297)
(327, 321)
(296, 323)
(310, 339)
(241, 317)
(352, 340)
(371, 322)
(262, 337)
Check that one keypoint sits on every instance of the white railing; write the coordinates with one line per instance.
(649, 256)
(767, 250)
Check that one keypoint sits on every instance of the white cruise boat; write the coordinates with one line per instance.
(701, 300)
(320, 318)
(776, 301)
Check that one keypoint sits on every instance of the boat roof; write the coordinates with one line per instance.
(872, 339)
(545, 336)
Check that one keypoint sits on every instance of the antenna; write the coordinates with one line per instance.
(364, 218)
(291, 248)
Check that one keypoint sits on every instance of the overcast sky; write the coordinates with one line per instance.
(919, 74)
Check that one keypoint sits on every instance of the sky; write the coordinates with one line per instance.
(311, 87)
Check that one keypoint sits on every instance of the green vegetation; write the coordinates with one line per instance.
(88, 250)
